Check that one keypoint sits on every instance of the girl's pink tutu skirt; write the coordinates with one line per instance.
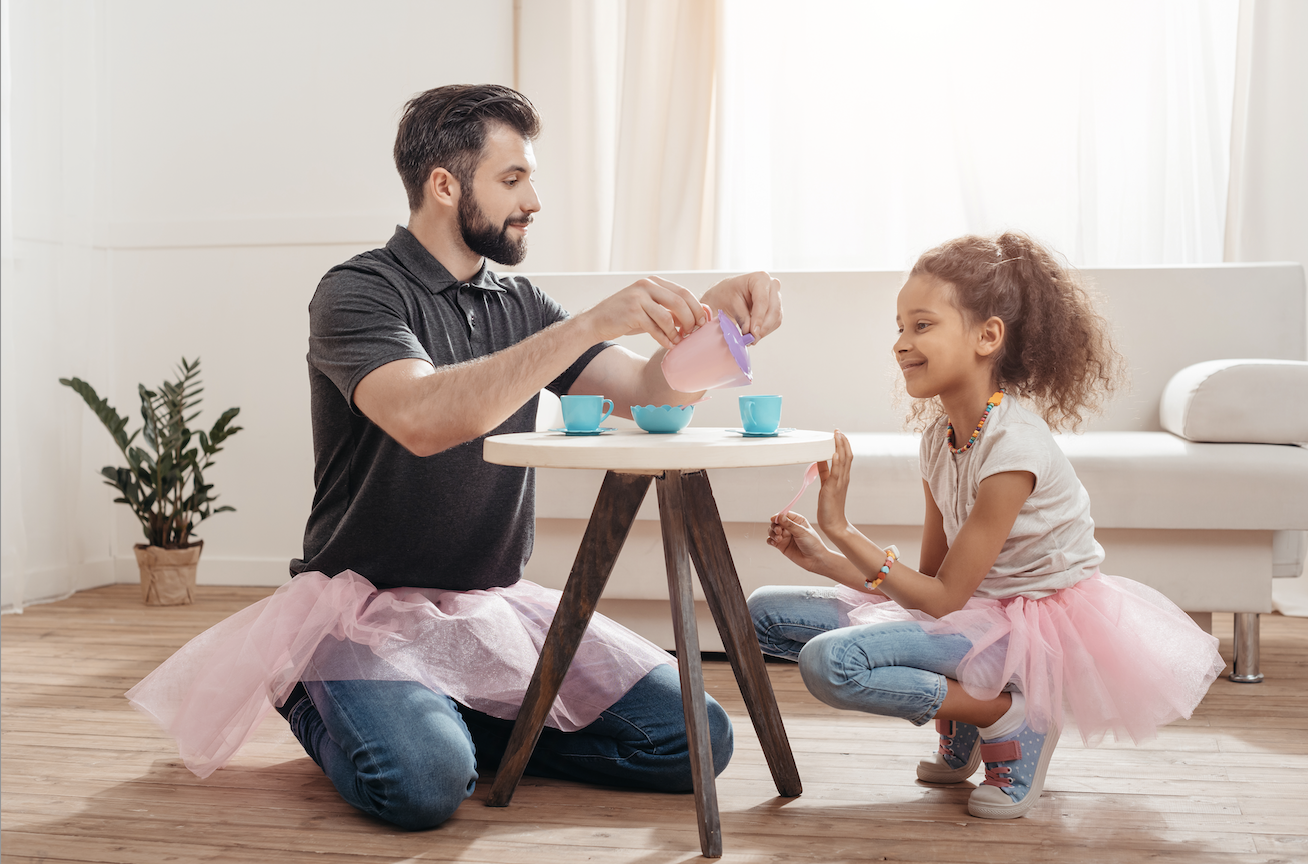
(1120, 656)
(478, 647)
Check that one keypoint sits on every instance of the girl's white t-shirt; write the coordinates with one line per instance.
(1052, 544)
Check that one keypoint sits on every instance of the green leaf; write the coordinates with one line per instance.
(220, 431)
(101, 408)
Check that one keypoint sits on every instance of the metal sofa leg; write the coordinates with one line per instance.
(1245, 659)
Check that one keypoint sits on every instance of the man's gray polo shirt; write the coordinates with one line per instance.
(445, 521)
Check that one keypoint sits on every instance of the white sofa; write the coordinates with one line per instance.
(1208, 524)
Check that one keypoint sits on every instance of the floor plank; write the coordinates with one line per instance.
(85, 779)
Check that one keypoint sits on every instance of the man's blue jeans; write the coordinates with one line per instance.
(894, 669)
(410, 756)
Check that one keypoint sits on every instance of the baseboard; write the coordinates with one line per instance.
(56, 583)
(213, 570)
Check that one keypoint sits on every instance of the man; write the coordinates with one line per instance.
(416, 353)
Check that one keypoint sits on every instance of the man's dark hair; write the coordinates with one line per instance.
(447, 127)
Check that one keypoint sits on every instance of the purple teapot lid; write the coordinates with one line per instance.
(736, 342)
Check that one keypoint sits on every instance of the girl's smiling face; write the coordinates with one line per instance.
(938, 352)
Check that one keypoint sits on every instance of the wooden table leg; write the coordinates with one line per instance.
(610, 522)
(681, 592)
(717, 573)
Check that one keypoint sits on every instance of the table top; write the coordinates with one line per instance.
(638, 451)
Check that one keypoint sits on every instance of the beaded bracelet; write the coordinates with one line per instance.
(892, 555)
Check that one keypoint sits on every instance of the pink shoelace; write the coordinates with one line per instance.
(994, 755)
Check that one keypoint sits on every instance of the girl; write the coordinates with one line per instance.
(1007, 617)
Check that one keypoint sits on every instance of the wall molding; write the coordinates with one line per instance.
(365, 228)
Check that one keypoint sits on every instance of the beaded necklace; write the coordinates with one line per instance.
(976, 433)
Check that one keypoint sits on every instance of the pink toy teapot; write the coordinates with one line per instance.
(713, 356)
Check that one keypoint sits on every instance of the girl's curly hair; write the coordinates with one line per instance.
(1057, 352)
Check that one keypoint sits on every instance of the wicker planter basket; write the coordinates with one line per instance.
(168, 575)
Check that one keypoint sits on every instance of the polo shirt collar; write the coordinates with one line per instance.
(427, 270)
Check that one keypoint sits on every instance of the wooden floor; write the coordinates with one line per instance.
(88, 779)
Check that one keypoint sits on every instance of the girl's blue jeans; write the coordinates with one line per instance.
(895, 669)
(408, 755)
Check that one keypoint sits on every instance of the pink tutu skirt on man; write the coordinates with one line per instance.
(478, 647)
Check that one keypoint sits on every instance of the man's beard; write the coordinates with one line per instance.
(485, 239)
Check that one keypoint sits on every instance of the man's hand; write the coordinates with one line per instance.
(663, 309)
(753, 300)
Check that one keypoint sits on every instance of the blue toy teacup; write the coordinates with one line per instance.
(585, 413)
(760, 415)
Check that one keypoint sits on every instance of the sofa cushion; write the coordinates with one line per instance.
(1250, 401)
(1157, 480)
(1135, 480)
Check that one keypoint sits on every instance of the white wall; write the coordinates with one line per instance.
(183, 174)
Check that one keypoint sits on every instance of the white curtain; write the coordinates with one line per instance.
(13, 534)
(626, 89)
(569, 64)
(1267, 215)
(855, 135)
(57, 517)
(663, 213)
(848, 134)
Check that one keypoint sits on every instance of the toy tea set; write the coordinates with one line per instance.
(714, 356)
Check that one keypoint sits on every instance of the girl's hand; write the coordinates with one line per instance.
(835, 486)
(792, 536)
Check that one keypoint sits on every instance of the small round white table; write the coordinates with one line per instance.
(692, 531)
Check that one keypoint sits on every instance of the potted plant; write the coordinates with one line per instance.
(164, 484)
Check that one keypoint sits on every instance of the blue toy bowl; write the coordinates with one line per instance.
(663, 418)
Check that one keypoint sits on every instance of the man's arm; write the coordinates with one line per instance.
(428, 410)
(629, 379)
